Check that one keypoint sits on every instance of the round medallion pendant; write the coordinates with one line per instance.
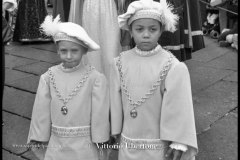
(133, 113)
(64, 110)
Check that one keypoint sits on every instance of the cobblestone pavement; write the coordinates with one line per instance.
(213, 72)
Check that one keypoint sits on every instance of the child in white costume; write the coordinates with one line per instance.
(151, 99)
(71, 108)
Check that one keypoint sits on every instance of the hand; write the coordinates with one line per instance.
(174, 154)
(112, 140)
(115, 140)
(36, 144)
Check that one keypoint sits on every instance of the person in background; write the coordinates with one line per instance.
(189, 36)
(29, 17)
(49, 3)
(62, 8)
(7, 5)
(76, 11)
(99, 19)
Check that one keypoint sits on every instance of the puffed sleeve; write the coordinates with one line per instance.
(100, 125)
(116, 110)
(40, 127)
(177, 122)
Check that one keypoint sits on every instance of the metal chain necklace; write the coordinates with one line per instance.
(74, 92)
(135, 104)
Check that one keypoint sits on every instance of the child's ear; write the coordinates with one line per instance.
(161, 32)
(57, 49)
(131, 35)
(130, 32)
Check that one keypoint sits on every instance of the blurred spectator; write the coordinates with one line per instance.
(189, 36)
(7, 5)
(49, 3)
(99, 19)
(61, 7)
(29, 17)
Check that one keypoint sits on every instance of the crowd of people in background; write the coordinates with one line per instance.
(220, 21)
(125, 66)
(27, 16)
(30, 14)
(99, 19)
(8, 6)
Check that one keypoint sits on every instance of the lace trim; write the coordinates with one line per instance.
(179, 146)
(71, 131)
(147, 53)
(151, 91)
(74, 91)
(69, 69)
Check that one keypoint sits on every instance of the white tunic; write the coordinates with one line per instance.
(71, 136)
(165, 116)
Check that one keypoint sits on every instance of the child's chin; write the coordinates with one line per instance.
(70, 65)
(146, 47)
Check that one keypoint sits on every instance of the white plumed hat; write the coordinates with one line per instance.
(161, 11)
(67, 31)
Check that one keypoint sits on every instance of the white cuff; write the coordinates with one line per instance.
(179, 146)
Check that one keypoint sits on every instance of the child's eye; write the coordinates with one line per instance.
(63, 51)
(153, 29)
(74, 50)
(139, 29)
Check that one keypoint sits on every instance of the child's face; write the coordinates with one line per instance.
(146, 32)
(70, 53)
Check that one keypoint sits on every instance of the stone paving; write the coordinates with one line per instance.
(213, 71)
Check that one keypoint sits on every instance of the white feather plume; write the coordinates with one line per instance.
(170, 19)
(49, 26)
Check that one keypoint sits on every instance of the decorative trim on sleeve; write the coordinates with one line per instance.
(178, 146)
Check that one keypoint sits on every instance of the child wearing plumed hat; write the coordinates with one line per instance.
(150, 91)
(71, 108)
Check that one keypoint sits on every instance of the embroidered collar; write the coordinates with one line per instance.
(147, 53)
(80, 65)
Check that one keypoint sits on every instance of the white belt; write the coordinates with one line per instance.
(71, 131)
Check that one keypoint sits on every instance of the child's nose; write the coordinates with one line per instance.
(69, 55)
(146, 34)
